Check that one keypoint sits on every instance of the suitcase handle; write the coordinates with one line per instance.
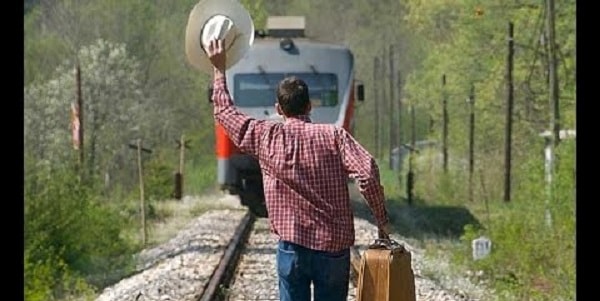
(382, 235)
(386, 243)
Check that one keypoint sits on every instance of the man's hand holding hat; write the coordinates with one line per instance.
(217, 55)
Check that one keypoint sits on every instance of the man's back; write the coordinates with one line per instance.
(306, 184)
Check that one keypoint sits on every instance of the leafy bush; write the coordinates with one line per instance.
(51, 277)
(159, 179)
(70, 237)
(533, 258)
(201, 175)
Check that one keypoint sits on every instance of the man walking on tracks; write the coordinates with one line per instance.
(305, 168)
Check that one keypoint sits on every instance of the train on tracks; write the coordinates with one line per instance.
(282, 50)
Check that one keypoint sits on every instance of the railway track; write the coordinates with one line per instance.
(226, 267)
(231, 255)
(190, 266)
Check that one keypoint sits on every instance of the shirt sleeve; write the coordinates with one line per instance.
(243, 130)
(361, 166)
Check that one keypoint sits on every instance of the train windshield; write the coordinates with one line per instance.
(258, 89)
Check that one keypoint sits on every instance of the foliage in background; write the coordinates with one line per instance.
(159, 179)
(72, 241)
(200, 177)
(472, 48)
(112, 106)
(532, 258)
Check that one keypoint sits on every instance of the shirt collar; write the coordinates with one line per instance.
(299, 118)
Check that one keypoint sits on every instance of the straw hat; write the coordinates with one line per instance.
(225, 19)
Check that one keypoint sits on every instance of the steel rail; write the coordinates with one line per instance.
(223, 274)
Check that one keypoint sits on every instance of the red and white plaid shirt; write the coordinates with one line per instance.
(305, 168)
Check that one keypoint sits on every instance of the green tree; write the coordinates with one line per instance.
(113, 103)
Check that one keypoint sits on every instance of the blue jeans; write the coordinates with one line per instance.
(298, 266)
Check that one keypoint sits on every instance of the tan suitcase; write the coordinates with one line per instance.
(386, 273)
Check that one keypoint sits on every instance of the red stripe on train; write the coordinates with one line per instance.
(223, 146)
(349, 110)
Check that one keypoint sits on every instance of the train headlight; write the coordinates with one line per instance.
(286, 44)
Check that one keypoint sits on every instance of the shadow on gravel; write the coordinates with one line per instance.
(421, 221)
(268, 250)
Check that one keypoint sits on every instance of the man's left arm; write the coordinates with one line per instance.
(362, 167)
(243, 130)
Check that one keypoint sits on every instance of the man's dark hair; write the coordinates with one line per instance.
(292, 96)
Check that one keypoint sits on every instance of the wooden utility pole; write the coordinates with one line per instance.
(376, 104)
(413, 144)
(384, 99)
(553, 78)
(553, 139)
(445, 124)
(80, 116)
(142, 203)
(399, 127)
(138, 146)
(181, 153)
(509, 111)
(392, 127)
(471, 140)
(182, 145)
